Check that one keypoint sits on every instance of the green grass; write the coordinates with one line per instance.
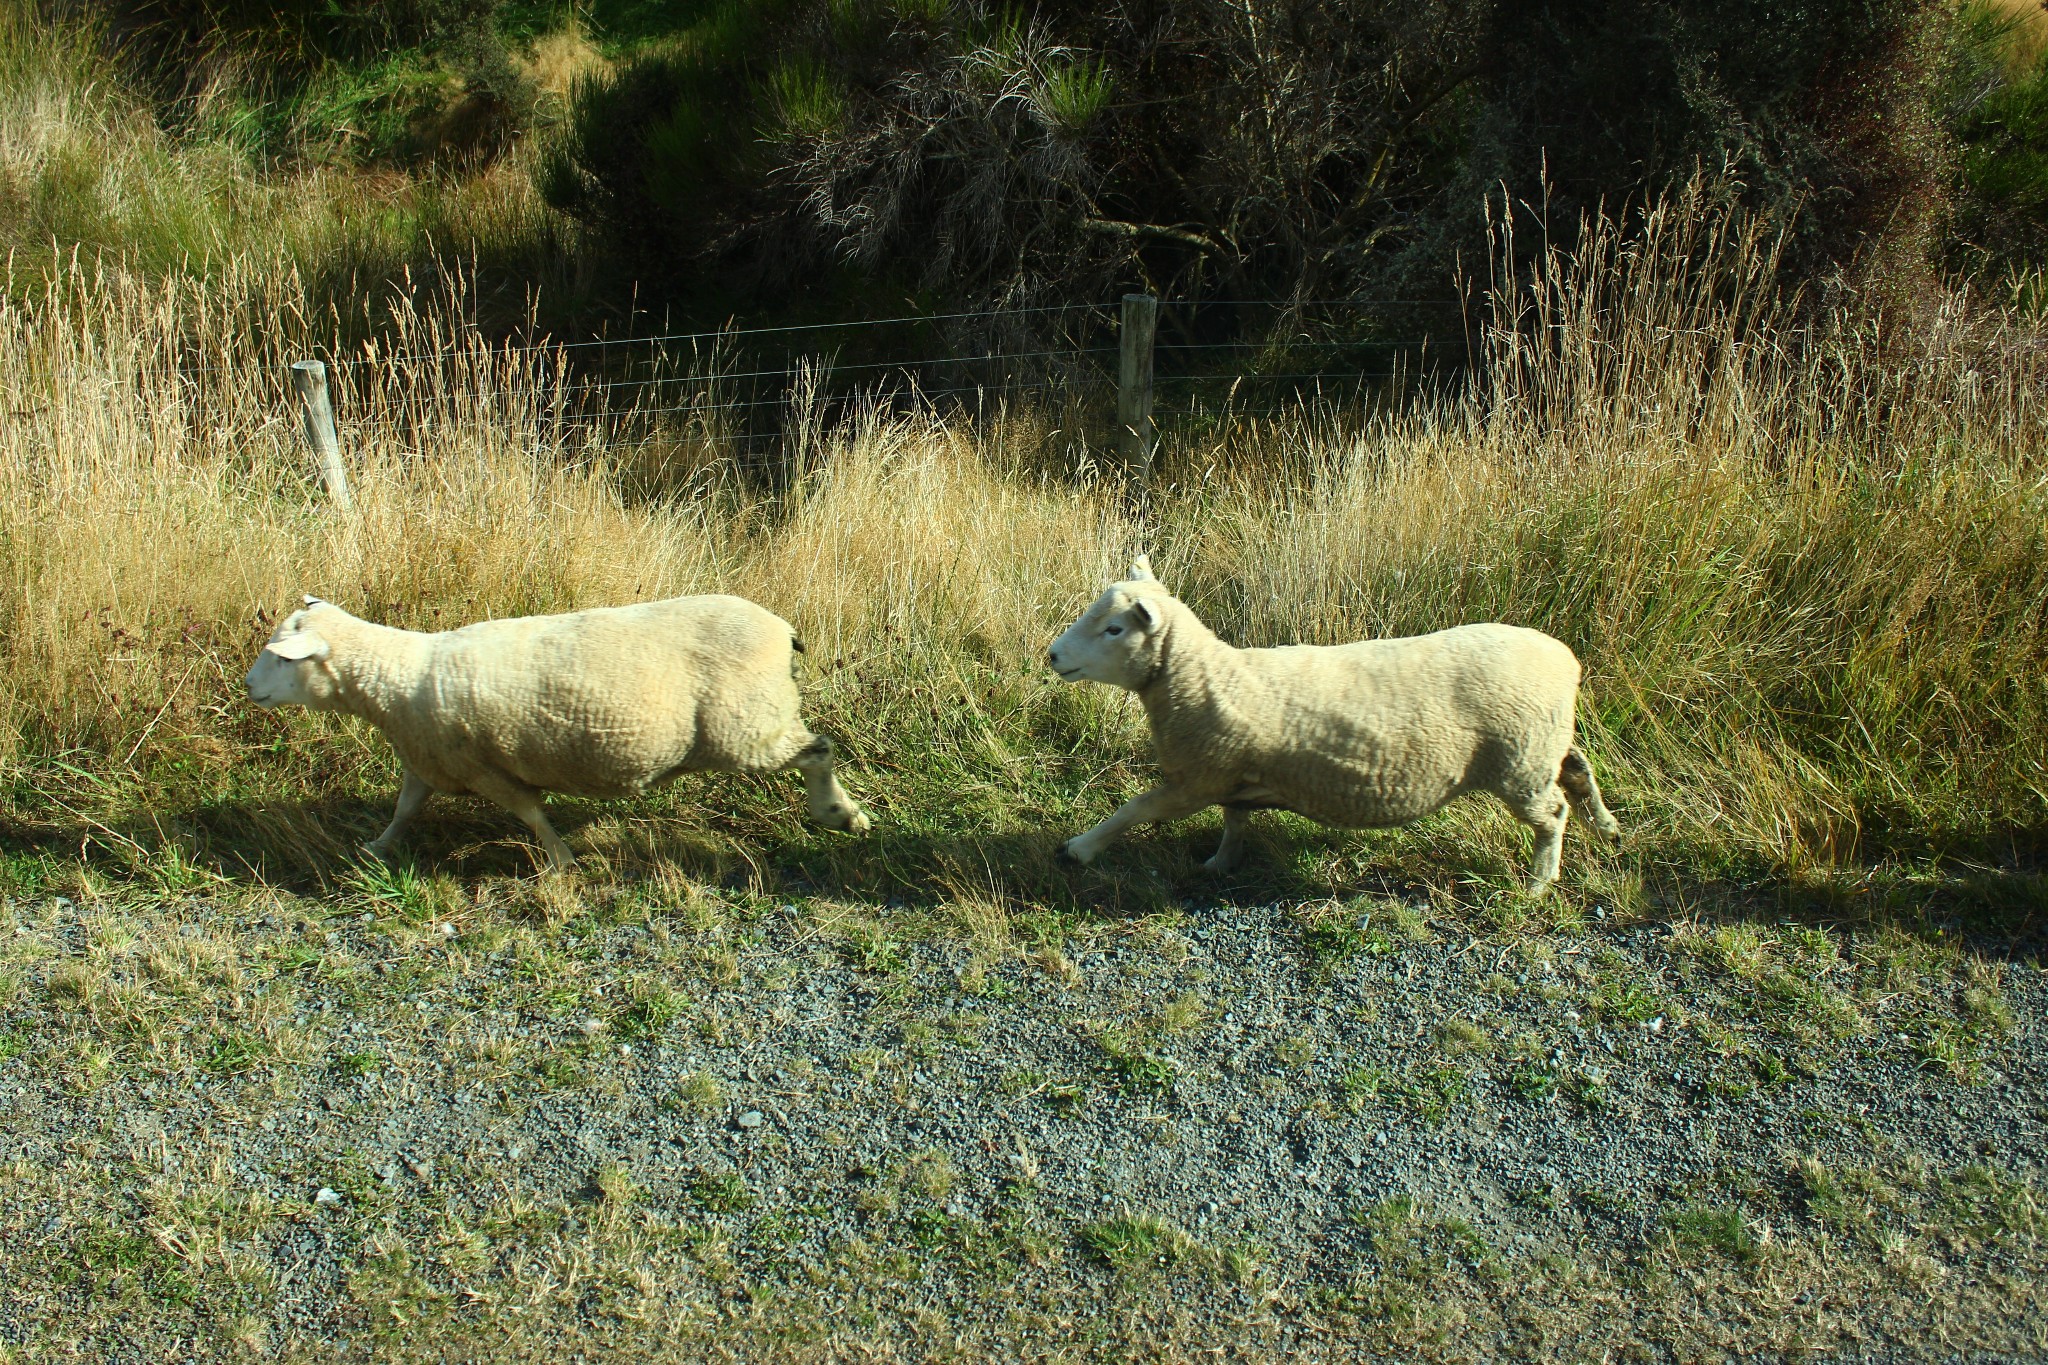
(723, 1192)
(1142, 1243)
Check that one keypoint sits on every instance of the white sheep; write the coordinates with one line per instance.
(600, 703)
(1363, 735)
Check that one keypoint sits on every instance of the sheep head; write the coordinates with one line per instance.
(293, 669)
(1119, 638)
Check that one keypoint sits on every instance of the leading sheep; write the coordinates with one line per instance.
(1362, 735)
(600, 703)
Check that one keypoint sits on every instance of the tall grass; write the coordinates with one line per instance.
(1804, 560)
(86, 166)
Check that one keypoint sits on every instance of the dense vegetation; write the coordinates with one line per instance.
(1299, 149)
(824, 158)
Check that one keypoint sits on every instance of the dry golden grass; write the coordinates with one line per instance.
(1804, 563)
(2029, 19)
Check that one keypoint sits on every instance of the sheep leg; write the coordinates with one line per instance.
(1575, 775)
(411, 796)
(1235, 819)
(830, 805)
(1545, 813)
(524, 802)
(1161, 803)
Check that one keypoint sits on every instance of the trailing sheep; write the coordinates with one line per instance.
(601, 703)
(1371, 734)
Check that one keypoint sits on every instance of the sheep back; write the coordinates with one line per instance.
(605, 702)
(1376, 733)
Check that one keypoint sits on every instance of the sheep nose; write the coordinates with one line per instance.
(1052, 656)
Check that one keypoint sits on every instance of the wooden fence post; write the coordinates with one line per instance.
(1134, 385)
(309, 377)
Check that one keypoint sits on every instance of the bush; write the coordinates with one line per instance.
(786, 153)
(824, 158)
(972, 154)
(1822, 111)
(347, 80)
(1998, 104)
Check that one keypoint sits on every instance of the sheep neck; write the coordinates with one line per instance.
(376, 668)
(1194, 694)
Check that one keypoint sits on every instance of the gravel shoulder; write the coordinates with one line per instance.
(399, 1124)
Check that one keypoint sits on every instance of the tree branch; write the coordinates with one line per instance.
(1199, 241)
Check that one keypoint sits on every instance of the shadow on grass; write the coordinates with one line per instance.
(1994, 894)
(311, 847)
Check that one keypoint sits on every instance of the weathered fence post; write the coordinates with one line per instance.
(1134, 386)
(309, 377)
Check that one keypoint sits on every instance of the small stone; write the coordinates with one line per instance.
(326, 1198)
(447, 929)
(750, 1119)
(587, 1027)
(368, 918)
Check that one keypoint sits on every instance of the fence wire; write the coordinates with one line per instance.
(749, 389)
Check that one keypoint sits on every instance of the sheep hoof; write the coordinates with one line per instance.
(841, 816)
(1218, 864)
(1536, 891)
(1066, 856)
(380, 852)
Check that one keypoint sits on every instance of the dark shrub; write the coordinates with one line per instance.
(1823, 110)
(778, 154)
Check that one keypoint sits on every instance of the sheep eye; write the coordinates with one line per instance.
(1114, 630)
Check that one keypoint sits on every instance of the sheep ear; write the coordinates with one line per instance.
(1146, 612)
(313, 601)
(1141, 570)
(304, 645)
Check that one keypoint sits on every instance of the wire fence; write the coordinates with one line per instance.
(1207, 363)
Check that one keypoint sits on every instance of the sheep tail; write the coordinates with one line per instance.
(1575, 775)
